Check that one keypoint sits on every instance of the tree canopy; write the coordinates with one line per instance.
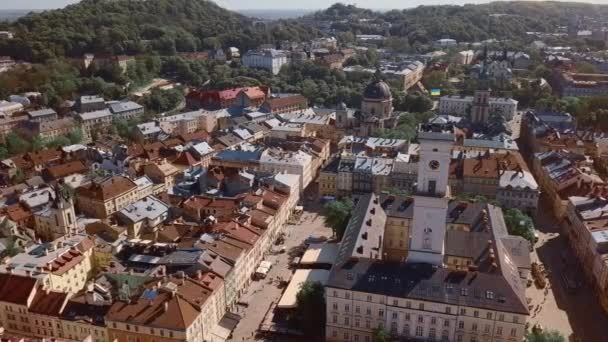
(519, 224)
(545, 336)
(337, 213)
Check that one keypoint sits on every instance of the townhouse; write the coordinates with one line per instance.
(105, 196)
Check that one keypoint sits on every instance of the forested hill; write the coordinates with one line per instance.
(133, 27)
(501, 20)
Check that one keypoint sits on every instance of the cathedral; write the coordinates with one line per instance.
(376, 113)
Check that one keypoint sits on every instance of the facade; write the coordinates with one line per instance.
(577, 84)
(57, 218)
(53, 128)
(103, 197)
(46, 114)
(462, 105)
(189, 122)
(94, 120)
(90, 104)
(270, 59)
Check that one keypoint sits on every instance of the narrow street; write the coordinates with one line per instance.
(262, 293)
(578, 316)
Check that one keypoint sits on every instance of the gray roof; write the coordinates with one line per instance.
(41, 112)
(91, 99)
(120, 107)
(95, 115)
(364, 231)
(148, 208)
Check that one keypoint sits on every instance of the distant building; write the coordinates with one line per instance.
(446, 42)
(270, 59)
(463, 105)
(219, 99)
(577, 84)
(465, 57)
(126, 110)
(86, 104)
(46, 114)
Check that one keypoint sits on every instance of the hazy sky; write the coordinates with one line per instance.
(266, 4)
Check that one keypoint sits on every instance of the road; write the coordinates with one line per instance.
(262, 293)
(576, 316)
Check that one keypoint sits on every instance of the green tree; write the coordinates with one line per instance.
(3, 153)
(15, 144)
(12, 248)
(75, 136)
(310, 312)
(545, 336)
(519, 224)
(337, 213)
(58, 142)
(585, 68)
(38, 143)
(380, 334)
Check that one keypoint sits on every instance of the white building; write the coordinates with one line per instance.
(461, 105)
(446, 42)
(465, 57)
(280, 161)
(270, 59)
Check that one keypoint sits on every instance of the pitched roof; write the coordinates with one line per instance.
(62, 170)
(16, 289)
(47, 303)
(107, 188)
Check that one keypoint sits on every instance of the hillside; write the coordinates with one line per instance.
(501, 20)
(132, 27)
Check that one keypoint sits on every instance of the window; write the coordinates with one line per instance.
(346, 321)
(395, 302)
(407, 317)
(356, 322)
(335, 306)
(474, 327)
(489, 315)
(445, 335)
(406, 330)
(501, 317)
(433, 320)
(476, 314)
(499, 331)
(513, 332)
(367, 324)
(335, 319)
(486, 329)
(369, 298)
(463, 311)
(380, 313)
(420, 319)
(357, 309)
(395, 315)
(346, 336)
(356, 338)
(448, 310)
(346, 307)
(419, 331)
(347, 295)
(432, 333)
(515, 319)
(368, 311)
(421, 306)
(446, 323)
(461, 325)
(394, 328)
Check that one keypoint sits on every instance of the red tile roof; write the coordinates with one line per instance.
(47, 303)
(107, 188)
(63, 170)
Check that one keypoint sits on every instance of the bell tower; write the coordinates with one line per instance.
(432, 195)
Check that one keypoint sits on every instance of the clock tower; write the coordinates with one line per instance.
(432, 194)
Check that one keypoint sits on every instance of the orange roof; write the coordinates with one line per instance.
(62, 170)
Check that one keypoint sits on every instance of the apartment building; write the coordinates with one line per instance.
(143, 216)
(27, 308)
(187, 123)
(563, 174)
(176, 309)
(51, 129)
(277, 160)
(126, 110)
(45, 114)
(94, 120)
(284, 103)
(103, 197)
(270, 59)
(461, 105)
(63, 265)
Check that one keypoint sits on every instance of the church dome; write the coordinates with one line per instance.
(377, 90)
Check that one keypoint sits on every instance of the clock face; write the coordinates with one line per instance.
(433, 165)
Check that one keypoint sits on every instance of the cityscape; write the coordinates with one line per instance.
(173, 170)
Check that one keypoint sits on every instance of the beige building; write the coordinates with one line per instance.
(277, 160)
(162, 172)
(64, 265)
(101, 198)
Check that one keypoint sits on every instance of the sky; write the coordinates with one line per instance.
(267, 4)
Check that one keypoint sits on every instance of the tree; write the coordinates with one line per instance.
(15, 144)
(58, 142)
(380, 334)
(310, 312)
(337, 213)
(545, 336)
(38, 143)
(519, 224)
(12, 248)
(3, 153)
(75, 136)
